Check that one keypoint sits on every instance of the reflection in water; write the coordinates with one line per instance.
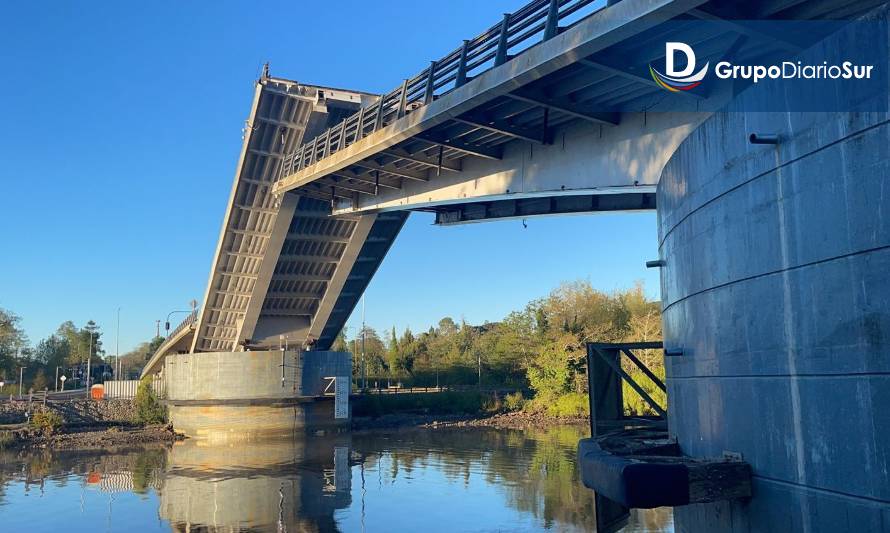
(435, 480)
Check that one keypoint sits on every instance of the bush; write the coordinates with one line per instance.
(634, 404)
(514, 401)
(438, 403)
(571, 404)
(6, 438)
(148, 409)
(47, 421)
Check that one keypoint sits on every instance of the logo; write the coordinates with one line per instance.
(683, 80)
(687, 79)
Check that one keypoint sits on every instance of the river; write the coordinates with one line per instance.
(457, 479)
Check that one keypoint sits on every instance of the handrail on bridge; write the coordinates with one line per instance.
(492, 48)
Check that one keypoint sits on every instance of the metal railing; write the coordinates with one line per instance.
(125, 389)
(536, 22)
(604, 377)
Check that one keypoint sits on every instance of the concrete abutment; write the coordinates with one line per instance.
(236, 396)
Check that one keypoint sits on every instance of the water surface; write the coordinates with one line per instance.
(410, 480)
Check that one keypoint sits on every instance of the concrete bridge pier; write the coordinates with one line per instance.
(238, 396)
(775, 290)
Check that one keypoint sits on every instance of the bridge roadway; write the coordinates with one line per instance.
(549, 111)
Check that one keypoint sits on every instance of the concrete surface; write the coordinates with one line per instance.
(776, 289)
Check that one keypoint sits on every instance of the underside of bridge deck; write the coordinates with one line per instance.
(276, 257)
(556, 99)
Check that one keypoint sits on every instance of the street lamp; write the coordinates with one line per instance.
(167, 323)
(193, 303)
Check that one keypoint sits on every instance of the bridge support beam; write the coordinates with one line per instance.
(583, 160)
(341, 274)
(267, 268)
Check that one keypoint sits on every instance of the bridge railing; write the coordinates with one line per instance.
(535, 22)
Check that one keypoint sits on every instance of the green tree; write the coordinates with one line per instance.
(340, 343)
(52, 351)
(136, 358)
(13, 342)
(392, 354)
(82, 342)
(148, 408)
(375, 355)
(39, 382)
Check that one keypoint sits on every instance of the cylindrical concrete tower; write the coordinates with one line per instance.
(776, 286)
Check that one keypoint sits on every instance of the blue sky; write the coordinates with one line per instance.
(122, 127)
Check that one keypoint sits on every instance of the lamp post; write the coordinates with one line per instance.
(364, 375)
(167, 323)
(117, 341)
(89, 362)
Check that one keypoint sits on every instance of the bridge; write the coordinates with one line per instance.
(550, 111)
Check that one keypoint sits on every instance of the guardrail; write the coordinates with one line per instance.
(536, 22)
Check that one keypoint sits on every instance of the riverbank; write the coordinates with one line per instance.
(74, 413)
(83, 424)
(511, 420)
(87, 438)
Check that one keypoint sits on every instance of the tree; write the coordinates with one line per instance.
(148, 408)
(340, 343)
(39, 382)
(136, 358)
(52, 351)
(375, 354)
(82, 342)
(392, 353)
(12, 341)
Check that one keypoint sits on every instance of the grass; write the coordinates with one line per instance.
(634, 404)
(514, 401)
(449, 402)
(571, 404)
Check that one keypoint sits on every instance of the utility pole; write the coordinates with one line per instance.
(89, 363)
(57, 379)
(117, 348)
(479, 355)
(21, 376)
(364, 375)
(158, 330)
